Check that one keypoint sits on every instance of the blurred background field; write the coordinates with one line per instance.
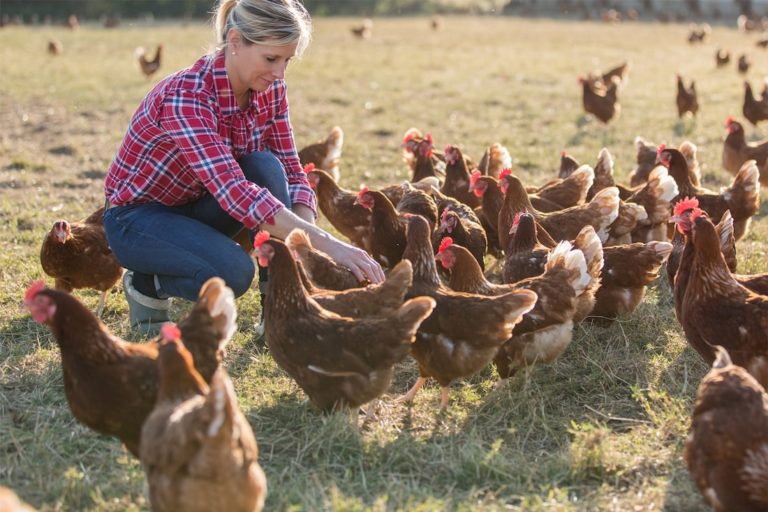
(601, 429)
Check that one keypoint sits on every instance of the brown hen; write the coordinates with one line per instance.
(727, 448)
(197, 449)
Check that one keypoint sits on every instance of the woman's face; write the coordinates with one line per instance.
(255, 66)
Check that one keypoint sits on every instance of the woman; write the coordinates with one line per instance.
(210, 151)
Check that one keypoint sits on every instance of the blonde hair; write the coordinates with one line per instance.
(272, 22)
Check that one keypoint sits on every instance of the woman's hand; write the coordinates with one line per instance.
(362, 265)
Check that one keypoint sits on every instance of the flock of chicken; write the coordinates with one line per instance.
(600, 92)
(579, 247)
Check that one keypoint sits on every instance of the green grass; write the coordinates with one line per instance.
(601, 429)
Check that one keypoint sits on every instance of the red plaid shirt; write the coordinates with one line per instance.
(186, 136)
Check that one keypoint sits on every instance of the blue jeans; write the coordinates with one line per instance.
(184, 246)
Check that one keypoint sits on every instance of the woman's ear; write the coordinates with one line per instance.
(234, 39)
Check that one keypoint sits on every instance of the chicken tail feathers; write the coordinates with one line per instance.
(743, 196)
(413, 312)
(220, 302)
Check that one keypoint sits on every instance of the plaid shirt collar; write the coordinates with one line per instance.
(223, 87)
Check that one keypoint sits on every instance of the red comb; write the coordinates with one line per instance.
(428, 138)
(407, 215)
(444, 244)
(170, 331)
(34, 289)
(363, 190)
(696, 213)
(562, 153)
(448, 148)
(517, 219)
(686, 204)
(661, 148)
(409, 135)
(261, 237)
(729, 121)
(474, 177)
(505, 172)
(309, 167)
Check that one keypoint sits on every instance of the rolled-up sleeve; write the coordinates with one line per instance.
(190, 121)
(278, 137)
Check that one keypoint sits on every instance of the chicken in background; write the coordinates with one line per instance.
(646, 161)
(463, 232)
(564, 224)
(55, 47)
(621, 72)
(604, 105)
(149, 66)
(465, 331)
(339, 362)
(412, 139)
(325, 154)
(77, 255)
(744, 63)
(568, 165)
(689, 149)
(742, 198)
(754, 110)
(111, 384)
(687, 100)
(566, 192)
(387, 231)
(644, 211)
(491, 201)
(727, 447)
(321, 269)
(698, 32)
(546, 330)
(338, 206)
(722, 57)
(424, 161)
(762, 42)
(198, 451)
(495, 159)
(364, 30)
(627, 271)
(457, 177)
(72, 22)
(716, 308)
(736, 151)
(525, 254)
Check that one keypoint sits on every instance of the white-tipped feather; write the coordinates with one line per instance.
(726, 229)
(663, 249)
(586, 174)
(575, 260)
(221, 390)
(608, 200)
(667, 186)
(335, 142)
(225, 305)
(605, 161)
(588, 242)
(500, 154)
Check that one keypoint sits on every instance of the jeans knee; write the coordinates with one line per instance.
(265, 170)
(239, 275)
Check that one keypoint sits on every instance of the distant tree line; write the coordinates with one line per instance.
(97, 9)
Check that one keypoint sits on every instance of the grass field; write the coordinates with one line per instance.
(601, 429)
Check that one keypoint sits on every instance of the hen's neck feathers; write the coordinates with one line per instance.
(710, 275)
(80, 333)
(678, 169)
(466, 275)
(286, 291)
(524, 239)
(458, 169)
(517, 198)
(383, 209)
(418, 251)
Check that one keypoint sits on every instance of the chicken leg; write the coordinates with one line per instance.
(408, 397)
